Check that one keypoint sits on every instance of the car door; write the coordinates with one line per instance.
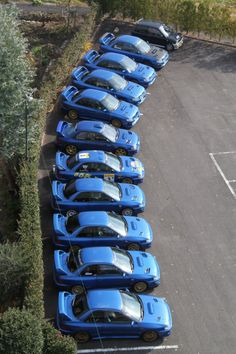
(97, 324)
(86, 140)
(120, 325)
(88, 276)
(109, 276)
(156, 37)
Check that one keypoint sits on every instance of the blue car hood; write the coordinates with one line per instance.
(144, 71)
(127, 110)
(156, 312)
(133, 90)
(127, 138)
(132, 165)
(145, 263)
(158, 53)
(132, 194)
(139, 227)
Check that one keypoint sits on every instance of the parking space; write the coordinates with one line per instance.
(189, 116)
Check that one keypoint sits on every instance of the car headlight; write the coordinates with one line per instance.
(133, 148)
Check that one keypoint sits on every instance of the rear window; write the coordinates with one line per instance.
(72, 223)
(70, 189)
(79, 305)
(72, 161)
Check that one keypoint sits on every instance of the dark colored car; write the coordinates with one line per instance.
(158, 33)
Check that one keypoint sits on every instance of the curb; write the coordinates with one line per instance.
(210, 41)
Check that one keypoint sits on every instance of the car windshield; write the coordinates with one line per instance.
(72, 223)
(72, 161)
(110, 103)
(113, 161)
(79, 305)
(117, 82)
(118, 223)
(69, 189)
(112, 190)
(132, 306)
(128, 64)
(165, 30)
(74, 261)
(142, 46)
(110, 132)
(122, 260)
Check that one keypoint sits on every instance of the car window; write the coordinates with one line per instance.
(70, 189)
(91, 81)
(103, 63)
(107, 269)
(121, 45)
(90, 270)
(114, 66)
(106, 231)
(90, 231)
(83, 136)
(97, 317)
(79, 305)
(86, 196)
(89, 166)
(72, 223)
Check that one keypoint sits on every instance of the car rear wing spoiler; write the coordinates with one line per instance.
(60, 127)
(58, 263)
(68, 93)
(90, 56)
(106, 38)
(79, 72)
(62, 304)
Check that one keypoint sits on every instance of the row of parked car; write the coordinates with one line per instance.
(100, 260)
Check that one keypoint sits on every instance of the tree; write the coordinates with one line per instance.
(14, 273)
(16, 77)
(202, 16)
(186, 12)
(20, 333)
(55, 342)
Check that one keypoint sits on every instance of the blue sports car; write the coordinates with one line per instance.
(105, 267)
(121, 64)
(99, 105)
(135, 48)
(88, 194)
(113, 314)
(88, 135)
(100, 228)
(95, 163)
(110, 82)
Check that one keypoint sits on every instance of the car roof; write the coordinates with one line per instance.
(116, 57)
(128, 39)
(87, 125)
(91, 156)
(89, 184)
(93, 94)
(102, 74)
(93, 218)
(155, 24)
(104, 299)
(97, 255)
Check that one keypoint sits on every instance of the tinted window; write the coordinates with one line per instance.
(79, 305)
(83, 135)
(72, 223)
(88, 232)
(69, 189)
(74, 261)
(72, 161)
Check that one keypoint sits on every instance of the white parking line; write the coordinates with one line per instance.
(227, 182)
(108, 350)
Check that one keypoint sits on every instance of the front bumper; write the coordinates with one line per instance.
(178, 44)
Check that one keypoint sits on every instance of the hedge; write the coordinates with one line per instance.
(20, 333)
(29, 222)
(55, 342)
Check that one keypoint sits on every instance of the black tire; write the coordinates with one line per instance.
(127, 180)
(127, 212)
(82, 337)
(121, 151)
(71, 213)
(77, 289)
(140, 287)
(116, 123)
(170, 47)
(71, 150)
(150, 336)
(73, 115)
(133, 247)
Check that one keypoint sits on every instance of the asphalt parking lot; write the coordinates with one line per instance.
(188, 119)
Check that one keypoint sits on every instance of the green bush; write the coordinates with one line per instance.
(20, 333)
(15, 271)
(55, 342)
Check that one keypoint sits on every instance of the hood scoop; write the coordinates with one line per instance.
(133, 225)
(150, 308)
(139, 261)
(127, 192)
